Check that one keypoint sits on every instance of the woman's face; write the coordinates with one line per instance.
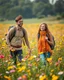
(43, 27)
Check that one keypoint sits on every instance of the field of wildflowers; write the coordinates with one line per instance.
(32, 68)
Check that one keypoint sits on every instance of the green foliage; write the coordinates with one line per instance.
(58, 17)
(44, 1)
(2, 19)
(40, 16)
(15, 11)
(59, 6)
(62, 15)
(10, 9)
(38, 8)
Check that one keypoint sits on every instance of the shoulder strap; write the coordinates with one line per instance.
(38, 36)
(11, 35)
(23, 32)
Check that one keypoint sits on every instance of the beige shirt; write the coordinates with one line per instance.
(18, 38)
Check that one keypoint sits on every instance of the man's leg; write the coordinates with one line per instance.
(19, 52)
(13, 54)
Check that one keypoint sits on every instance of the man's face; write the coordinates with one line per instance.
(20, 23)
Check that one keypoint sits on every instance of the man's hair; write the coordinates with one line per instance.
(18, 18)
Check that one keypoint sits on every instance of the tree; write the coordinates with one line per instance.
(27, 12)
(13, 12)
(38, 8)
(14, 2)
(4, 7)
(44, 1)
(59, 6)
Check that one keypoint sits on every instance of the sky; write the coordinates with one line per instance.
(50, 1)
(53, 1)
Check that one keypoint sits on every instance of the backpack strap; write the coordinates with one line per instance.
(38, 36)
(23, 32)
(52, 46)
(12, 34)
(23, 35)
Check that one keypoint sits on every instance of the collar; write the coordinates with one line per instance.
(18, 28)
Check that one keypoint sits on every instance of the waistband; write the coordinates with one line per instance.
(16, 46)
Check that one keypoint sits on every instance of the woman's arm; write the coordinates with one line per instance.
(50, 40)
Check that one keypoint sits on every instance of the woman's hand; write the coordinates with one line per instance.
(46, 38)
(50, 42)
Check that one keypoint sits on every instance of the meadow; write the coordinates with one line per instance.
(32, 68)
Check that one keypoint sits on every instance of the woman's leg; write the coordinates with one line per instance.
(43, 58)
(48, 54)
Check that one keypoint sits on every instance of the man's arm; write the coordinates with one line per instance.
(27, 42)
(8, 35)
(26, 39)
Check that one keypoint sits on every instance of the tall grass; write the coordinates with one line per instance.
(32, 68)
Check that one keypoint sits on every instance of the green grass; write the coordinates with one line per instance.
(35, 20)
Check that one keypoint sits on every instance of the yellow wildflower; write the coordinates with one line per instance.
(18, 64)
(52, 70)
(32, 57)
(7, 77)
(28, 70)
(60, 59)
(21, 68)
(49, 59)
(54, 77)
(40, 52)
(9, 63)
(10, 67)
(3, 44)
(43, 77)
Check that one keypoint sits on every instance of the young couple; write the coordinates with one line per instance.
(15, 44)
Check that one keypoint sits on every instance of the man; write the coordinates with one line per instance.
(15, 42)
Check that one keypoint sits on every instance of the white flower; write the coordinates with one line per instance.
(23, 60)
(34, 56)
(40, 76)
(7, 72)
(6, 61)
(60, 73)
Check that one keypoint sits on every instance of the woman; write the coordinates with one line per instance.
(44, 42)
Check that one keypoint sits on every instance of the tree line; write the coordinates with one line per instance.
(9, 9)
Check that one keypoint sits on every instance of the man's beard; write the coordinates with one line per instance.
(19, 25)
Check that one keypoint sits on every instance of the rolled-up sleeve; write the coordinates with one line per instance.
(8, 35)
(26, 39)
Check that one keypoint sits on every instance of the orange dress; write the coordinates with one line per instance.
(43, 45)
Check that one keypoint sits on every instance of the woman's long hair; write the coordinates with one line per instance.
(46, 29)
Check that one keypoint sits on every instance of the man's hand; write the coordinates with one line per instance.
(29, 51)
(11, 48)
(28, 55)
(38, 55)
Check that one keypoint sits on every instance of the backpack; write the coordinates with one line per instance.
(14, 32)
(51, 46)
